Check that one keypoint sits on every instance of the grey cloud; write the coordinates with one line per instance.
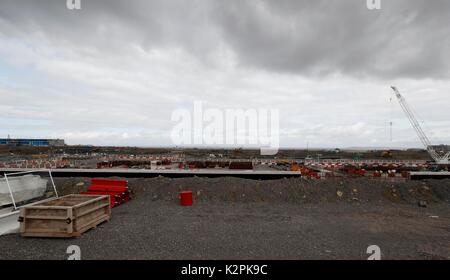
(405, 39)
(115, 70)
(110, 26)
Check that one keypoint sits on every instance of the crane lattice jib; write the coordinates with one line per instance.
(422, 136)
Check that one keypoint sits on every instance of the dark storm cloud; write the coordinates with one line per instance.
(405, 39)
(110, 25)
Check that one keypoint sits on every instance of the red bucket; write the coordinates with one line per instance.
(186, 198)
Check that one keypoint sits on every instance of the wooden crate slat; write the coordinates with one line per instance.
(94, 223)
(93, 209)
(94, 199)
(29, 217)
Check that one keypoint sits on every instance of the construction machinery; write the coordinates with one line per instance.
(439, 158)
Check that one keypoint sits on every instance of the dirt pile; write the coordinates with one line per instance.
(293, 190)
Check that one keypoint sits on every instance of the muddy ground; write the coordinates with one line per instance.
(236, 218)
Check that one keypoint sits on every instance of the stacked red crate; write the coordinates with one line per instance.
(116, 189)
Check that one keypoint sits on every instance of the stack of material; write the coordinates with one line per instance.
(241, 165)
(116, 189)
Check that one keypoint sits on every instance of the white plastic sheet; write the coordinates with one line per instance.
(23, 188)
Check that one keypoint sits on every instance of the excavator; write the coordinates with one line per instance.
(440, 158)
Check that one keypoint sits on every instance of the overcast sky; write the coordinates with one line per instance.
(113, 72)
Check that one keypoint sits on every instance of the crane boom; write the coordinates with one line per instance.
(422, 136)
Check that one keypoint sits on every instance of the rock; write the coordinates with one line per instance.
(423, 203)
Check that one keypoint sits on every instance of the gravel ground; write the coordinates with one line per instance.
(234, 218)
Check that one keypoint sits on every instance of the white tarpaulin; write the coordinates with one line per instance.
(23, 188)
(8, 221)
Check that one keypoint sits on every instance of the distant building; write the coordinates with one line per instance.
(32, 142)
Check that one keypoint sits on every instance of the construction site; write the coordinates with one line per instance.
(251, 134)
(225, 203)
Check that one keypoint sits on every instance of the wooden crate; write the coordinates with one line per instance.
(67, 216)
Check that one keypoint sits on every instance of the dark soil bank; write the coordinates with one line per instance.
(293, 190)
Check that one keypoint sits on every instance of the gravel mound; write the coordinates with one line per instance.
(292, 190)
